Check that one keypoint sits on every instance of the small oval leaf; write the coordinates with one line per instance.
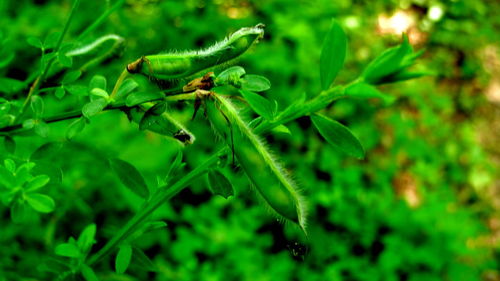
(86, 238)
(130, 177)
(123, 258)
(255, 83)
(40, 202)
(92, 108)
(219, 184)
(67, 250)
(75, 127)
(37, 182)
(338, 135)
(332, 54)
(259, 104)
(142, 97)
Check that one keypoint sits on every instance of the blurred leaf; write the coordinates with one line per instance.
(10, 144)
(98, 81)
(153, 116)
(333, 54)
(40, 202)
(338, 135)
(65, 60)
(127, 87)
(130, 177)
(98, 93)
(51, 40)
(29, 123)
(75, 127)
(364, 90)
(281, 129)
(36, 183)
(46, 150)
(10, 85)
(77, 90)
(230, 76)
(219, 184)
(255, 83)
(123, 258)
(94, 107)
(175, 166)
(37, 105)
(71, 76)
(142, 260)
(387, 63)
(42, 129)
(137, 98)
(10, 165)
(19, 212)
(86, 238)
(88, 273)
(60, 92)
(7, 178)
(67, 250)
(259, 104)
(35, 42)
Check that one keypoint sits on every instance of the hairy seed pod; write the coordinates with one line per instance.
(181, 65)
(267, 176)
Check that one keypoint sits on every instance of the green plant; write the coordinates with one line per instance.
(152, 110)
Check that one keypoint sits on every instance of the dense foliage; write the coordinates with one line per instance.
(399, 178)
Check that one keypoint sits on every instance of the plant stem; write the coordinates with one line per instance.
(163, 195)
(40, 79)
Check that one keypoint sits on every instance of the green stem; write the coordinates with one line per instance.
(40, 79)
(101, 19)
(162, 196)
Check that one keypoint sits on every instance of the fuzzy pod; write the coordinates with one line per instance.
(266, 174)
(182, 65)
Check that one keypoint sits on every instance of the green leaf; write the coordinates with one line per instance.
(338, 135)
(10, 85)
(19, 212)
(281, 129)
(37, 182)
(123, 258)
(219, 184)
(65, 60)
(86, 238)
(130, 177)
(51, 40)
(67, 250)
(88, 273)
(364, 90)
(10, 144)
(46, 150)
(42, 129)
(127, 87)
(10, 165)
(153, 117)
(7, 178)
(29, 123)
(230, 76)
(92, 108)
(98, 93)
(98, 81)
(77, 90)
(71, 76)
(60, 92)
(175, 166)
(37, 105)
(75, 127)
(389, 62)
(141, 97)
(255, 83)
(23, 172)
(35, 42)
(142, 260)
(333, 54)
(40, 202)
(259, 104)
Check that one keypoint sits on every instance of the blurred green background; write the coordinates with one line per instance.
(423, 205)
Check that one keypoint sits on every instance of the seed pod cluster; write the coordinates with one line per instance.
(182, 65)
(266, 174)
